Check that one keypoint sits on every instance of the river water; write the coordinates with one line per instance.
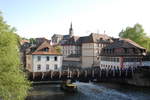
(90, 91)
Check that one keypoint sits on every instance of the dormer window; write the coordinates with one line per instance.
(46, 49)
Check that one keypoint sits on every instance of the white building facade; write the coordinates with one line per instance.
(123, 53)
(44, 59)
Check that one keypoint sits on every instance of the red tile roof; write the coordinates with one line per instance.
(24, 41)
(45, 53)
(51, 50)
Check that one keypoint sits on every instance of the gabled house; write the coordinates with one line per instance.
(43, 58)
(123, 53)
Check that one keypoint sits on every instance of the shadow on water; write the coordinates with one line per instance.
(89, 91)
(52, 92)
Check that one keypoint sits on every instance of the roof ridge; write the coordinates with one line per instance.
(132, 42)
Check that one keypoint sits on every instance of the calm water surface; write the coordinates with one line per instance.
(90, 91)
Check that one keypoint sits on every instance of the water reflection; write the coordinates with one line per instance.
(89, 91)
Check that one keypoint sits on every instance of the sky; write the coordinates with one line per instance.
(43, 18)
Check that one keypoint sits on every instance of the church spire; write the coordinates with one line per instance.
(71, 30)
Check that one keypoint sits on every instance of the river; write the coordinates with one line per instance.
(90, 91)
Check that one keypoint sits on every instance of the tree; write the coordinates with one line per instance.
(13, 82)
(58, 48)
(136, 34)
(32, 40)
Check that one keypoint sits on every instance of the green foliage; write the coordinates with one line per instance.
(58, 48)
(32, 40)
(13, 81)
(23, 38)
(136, 34)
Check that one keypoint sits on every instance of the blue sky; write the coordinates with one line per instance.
(43, 18)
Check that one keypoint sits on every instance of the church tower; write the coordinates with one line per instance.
(71, 30)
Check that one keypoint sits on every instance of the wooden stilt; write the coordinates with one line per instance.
(42, 75)
(59, 74)
(92, 73)
(107, 72)
(51, 74)
(68, 72)
(85, 73)
(100, 73)
(119, 71)
(113, 72)
(126, 72)
(70, 75)
(78, 73)
(132, 71)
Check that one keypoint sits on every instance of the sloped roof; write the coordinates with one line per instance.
(95, 37)
(123, 47)
(24, 41)
(133, 43)
(124, 43)
(72, 41)
(51, 50)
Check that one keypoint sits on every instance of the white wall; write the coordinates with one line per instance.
(117, 64)
(44, 62)
(109, 63)
(131, 64)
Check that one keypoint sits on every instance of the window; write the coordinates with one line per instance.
(38, 67)
(55, 58)
(97, 45)
(55, 67)
(47, 67)
(47, 58)
(117, 59)
(45, 49)
(71, 51)
(39, 58)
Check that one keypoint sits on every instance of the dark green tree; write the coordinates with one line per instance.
(13, 82)
(137, 34)
(32, 40)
